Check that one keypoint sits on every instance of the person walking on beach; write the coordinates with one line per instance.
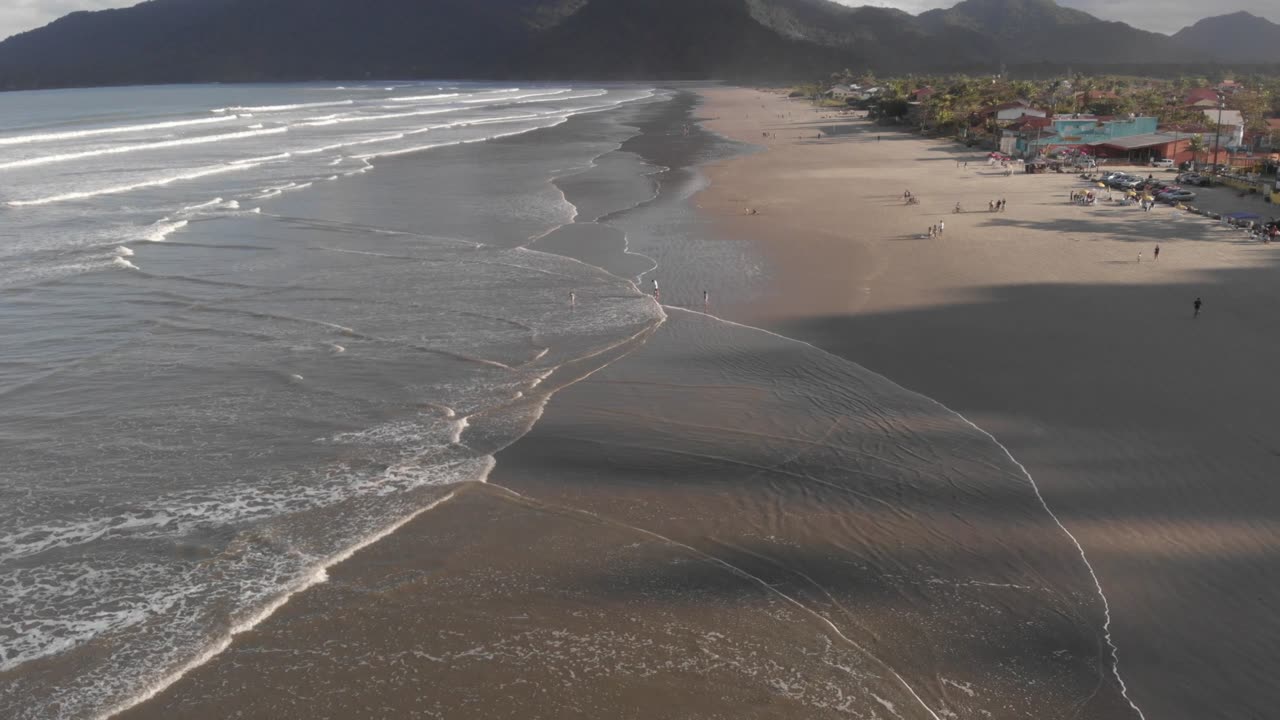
(573, 299)
(1001, 204)
(991, 206)
(705, 298)
(1139, 256)
(941, 226)
(957, 210)
(1197, 305)
(1157, 252)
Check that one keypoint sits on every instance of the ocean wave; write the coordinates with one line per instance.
(117, 129)
(163, 229)
(596, 93)
(284, 108)
(418, 98)
(122, 263)
(380, 116)
(262, 159)
(117, 189)
(515, 97)
(423, 148)
(122, 149)
(204, 205)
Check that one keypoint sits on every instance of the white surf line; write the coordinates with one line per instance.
(317, 576)
(120, 149)
(1106, 605)
(111, 130)
(735, 570)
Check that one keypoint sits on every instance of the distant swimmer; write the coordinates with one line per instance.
(1197, 305)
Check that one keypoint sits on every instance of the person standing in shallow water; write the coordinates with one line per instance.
(1197, 305)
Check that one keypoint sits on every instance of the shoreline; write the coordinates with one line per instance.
(659, 525)
(844, 578)
(976, 319)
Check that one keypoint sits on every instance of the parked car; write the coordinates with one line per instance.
(1179, 196)
(1197, 180)
(1165, 163)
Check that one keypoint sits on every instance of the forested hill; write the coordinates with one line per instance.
(163, 41)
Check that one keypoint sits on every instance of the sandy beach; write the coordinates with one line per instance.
(873, 475)
(1150, 433)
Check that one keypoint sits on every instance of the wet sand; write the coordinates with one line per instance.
(1152, 434)
(714, 522)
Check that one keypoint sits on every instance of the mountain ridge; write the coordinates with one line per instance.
(162, 41)
(1234, 37)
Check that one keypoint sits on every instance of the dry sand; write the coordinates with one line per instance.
(1153, 435)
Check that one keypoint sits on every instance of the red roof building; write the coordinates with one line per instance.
(1201, 98)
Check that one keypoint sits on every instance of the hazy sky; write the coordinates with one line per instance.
(1168, 16)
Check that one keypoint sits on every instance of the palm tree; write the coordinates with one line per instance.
(1196, 146)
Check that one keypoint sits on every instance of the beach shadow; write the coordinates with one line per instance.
(1120, 230)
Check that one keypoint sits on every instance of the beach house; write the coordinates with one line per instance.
(1076, 131)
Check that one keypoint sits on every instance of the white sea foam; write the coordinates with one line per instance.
(583, 96)
(382, 116)
(256, 126)
(122, 263)
(201, 206)
(284, 108)
(117, 189)
(124, 251)
(164, 229)
(315, 577)
(254, 161)
(117, 129)
(121, 149)
(514, 97)
(418, 98)
(213, 206)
